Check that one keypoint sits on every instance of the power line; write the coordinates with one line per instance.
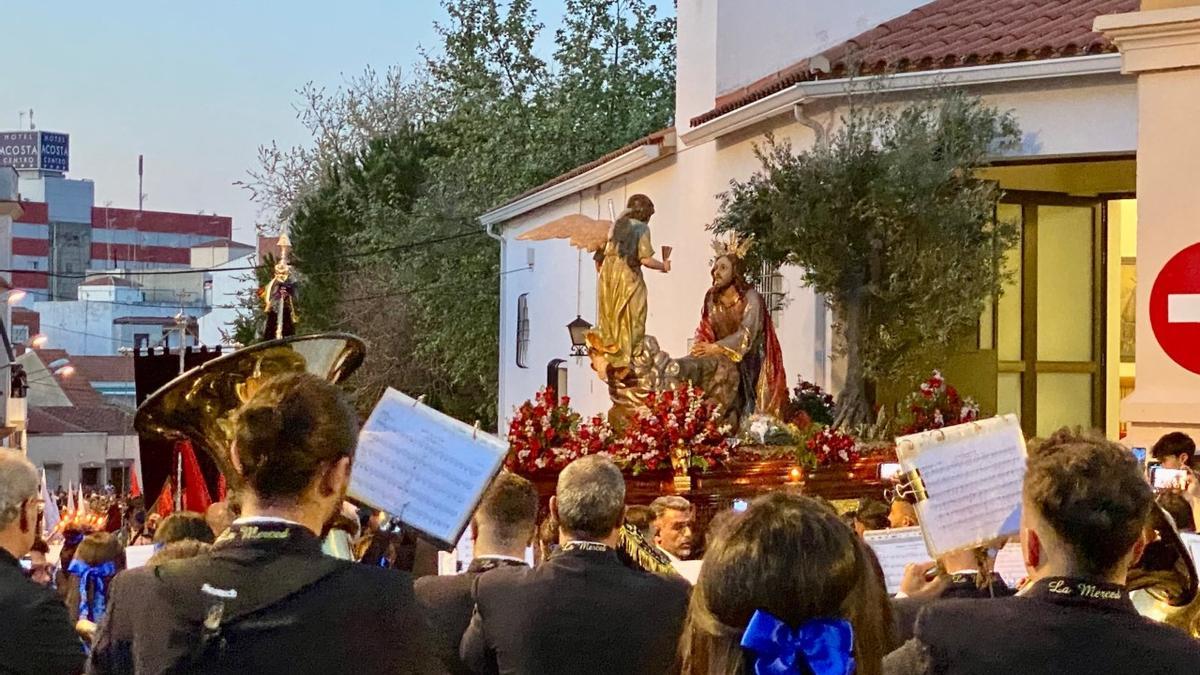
(202, 270)
(432, 287)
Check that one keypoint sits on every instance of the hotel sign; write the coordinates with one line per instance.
(35, 150)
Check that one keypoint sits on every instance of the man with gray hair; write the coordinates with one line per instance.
(674, 519)
(583, 610)
(37, 636)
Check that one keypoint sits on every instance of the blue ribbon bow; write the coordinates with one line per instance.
(825, 646)
(97, 577)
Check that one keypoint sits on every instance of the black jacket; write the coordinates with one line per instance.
(36, 633)
(962, 587)
(1058, 626)
(448, 606)
(265, 600)
(579, 612)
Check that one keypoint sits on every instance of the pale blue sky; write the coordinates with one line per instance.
(195, 87)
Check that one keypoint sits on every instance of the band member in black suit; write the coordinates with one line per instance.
(582, 611)
(961, 580)
(265, 599)
(502, 528)
(1084, 509)
(37, 635)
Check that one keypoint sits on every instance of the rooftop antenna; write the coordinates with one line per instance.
(141, 196)
(31, 125)
(20, 119)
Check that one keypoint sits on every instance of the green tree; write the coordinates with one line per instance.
(888, 221)
(615, 76)
(398, 161)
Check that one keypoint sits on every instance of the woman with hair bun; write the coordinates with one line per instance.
(265, 599)
(787, 589)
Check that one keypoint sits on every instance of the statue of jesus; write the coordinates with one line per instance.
(736, 338)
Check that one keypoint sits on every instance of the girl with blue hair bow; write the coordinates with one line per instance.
(97, 560)
(787, 589)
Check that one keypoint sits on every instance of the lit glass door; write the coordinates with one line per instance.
(1050, 317)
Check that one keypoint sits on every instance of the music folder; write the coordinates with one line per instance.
(895, 549)
(965, 482)
(425, 468)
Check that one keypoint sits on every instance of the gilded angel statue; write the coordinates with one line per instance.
(621, 249)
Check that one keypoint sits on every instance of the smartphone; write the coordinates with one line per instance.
(26, 564)
(889, 471)
(740, 505)
(1166, 479)
(1140, 455)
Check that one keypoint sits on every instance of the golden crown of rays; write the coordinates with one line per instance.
(732, 245)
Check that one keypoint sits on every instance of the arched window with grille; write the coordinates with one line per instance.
(523, 331)
(556, 378)
(770, 287)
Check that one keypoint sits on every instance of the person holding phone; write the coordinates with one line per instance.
(41, 570)
(1176, 450)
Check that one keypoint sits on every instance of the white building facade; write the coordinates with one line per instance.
(1078, 114)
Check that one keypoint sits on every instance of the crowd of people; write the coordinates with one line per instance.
(786, 585)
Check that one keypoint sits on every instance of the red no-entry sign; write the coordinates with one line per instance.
(1175, 308)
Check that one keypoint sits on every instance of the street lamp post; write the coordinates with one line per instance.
(579, 329)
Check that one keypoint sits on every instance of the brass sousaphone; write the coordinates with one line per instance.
(199, 404)
(1167, 573)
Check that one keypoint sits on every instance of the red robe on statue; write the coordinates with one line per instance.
(746, 335)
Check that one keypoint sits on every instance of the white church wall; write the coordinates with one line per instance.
(1069, 117)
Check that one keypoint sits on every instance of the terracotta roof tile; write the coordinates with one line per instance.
(224, 243)
(77, 387)
(80, 419)
(950, 34)
(150, 320)
(656, 138)
(104, 368)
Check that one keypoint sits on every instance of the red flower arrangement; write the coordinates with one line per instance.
(833, 446)
(542, 435)
(936, 404)
(591, 437)
(678, 419)
(809, 403)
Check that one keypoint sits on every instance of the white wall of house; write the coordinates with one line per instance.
(111, 293)
(1076, 116)
(755, 39)
(66, 455)
(86, 328)
(228, 280)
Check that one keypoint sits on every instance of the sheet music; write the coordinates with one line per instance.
(973, 474)
(896, 549)
(138, 556)
(1010, 564)
(425, 468)
(1192, 541)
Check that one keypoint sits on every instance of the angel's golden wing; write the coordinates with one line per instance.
(584, 233)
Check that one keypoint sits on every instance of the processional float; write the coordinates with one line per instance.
(743, 383)
(200, 404)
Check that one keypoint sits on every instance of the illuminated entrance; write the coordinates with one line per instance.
(1061, 334)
